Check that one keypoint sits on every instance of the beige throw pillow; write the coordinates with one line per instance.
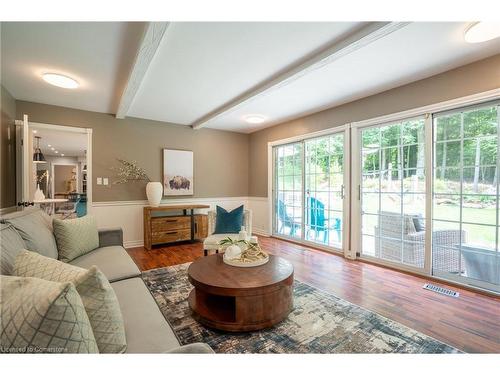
(40, 316)
(75, 237)
(97, 295)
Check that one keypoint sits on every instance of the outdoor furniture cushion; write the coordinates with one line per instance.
(11, 244)
(98, 297)
(35, 229)
(75, 237)
(113, 261)
(146, 329)
(40, 316)
(229, 222)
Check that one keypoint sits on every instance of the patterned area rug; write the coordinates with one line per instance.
(319, 323)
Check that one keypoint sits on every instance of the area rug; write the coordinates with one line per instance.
(319, 323)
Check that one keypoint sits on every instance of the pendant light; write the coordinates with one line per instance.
(38, 156)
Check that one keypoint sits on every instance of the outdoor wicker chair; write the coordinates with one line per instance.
(391, 230)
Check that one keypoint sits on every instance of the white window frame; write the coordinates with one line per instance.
(347, 188)
(427, 112)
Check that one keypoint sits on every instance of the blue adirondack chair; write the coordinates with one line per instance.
(316, 218)
(317, 221)
(285, 220)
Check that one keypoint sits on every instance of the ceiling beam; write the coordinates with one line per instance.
(153, 35)
(354, 42)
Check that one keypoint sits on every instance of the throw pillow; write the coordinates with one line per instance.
(418, 222)
(228, 222)
(97, 295)
(75, 237)
(35, 230)
(40, 316)
(11, 244)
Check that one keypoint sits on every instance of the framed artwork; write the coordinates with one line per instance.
(177, 172)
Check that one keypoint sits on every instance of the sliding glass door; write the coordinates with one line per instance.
(309, 190)
(288, 183)
(392, 192)
(465, 196)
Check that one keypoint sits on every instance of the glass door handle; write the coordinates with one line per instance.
(342, 193)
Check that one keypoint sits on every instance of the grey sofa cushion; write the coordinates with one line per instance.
(146, 329)
(196, 348)
(113, 261)
(36, 231)
(75, 237)
(11, 244)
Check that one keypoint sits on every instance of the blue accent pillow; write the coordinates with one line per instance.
(228, 222)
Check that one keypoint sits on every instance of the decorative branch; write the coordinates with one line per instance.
(129, 171)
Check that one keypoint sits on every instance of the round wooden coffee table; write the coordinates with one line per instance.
(240, 299)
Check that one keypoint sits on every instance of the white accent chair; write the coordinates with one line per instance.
(211, 243)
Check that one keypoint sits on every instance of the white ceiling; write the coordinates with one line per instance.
(99, 55)
(213, 74)
(67, 143)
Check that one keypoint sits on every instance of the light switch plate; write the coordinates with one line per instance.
(105, 181)
(99, 180)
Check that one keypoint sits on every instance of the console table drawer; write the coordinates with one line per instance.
(170, 223)
(171, 236)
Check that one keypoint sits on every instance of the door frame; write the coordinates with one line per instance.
(426, 112)
(26, 160)
(347, 187)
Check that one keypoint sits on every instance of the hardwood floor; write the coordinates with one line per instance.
(470, 323)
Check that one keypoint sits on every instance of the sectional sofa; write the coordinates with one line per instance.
(146, 329)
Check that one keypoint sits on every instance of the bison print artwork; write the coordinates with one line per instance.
(177, 172)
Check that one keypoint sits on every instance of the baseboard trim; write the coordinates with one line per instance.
(7, 210)
(261, 232)
(130, 244)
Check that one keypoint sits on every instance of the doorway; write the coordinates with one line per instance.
(54, 168)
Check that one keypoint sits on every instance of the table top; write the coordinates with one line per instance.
(211, 271)
(174, 207)
(51, 200)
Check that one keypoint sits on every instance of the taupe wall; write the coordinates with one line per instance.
(473, 78)
(220, 158)
(7, 150)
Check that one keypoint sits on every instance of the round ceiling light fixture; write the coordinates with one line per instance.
(60, 80)
(254, 119)
(482, 31)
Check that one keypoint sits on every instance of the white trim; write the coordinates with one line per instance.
(7, 210)
(316, 134)
(65, 128)
(154, 34)
(437, 107)
(357, 40)
(314, 245)
(131, 244)
(347, 170)
(355, 247)
(176, 201)
(261, 232)
(429, 181)
(71, 129)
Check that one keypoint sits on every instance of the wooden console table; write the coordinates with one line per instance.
(165, 228)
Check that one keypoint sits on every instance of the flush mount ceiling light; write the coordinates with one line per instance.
(482, 31)
(254, 119)
(60, 80)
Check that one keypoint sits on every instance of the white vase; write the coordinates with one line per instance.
(39, 196)
(154, 192)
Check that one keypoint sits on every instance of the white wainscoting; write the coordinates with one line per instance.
(128, 215)
(260, 212)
